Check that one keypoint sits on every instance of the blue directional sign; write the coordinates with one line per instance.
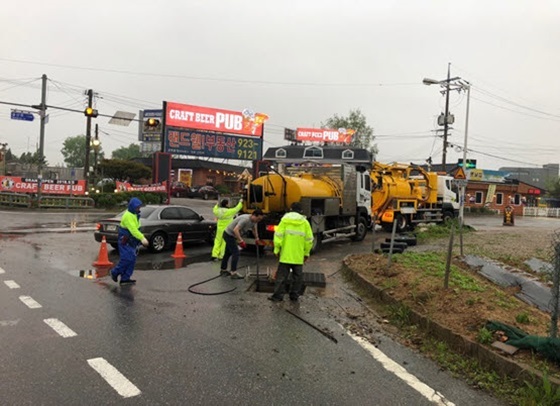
(22, 115)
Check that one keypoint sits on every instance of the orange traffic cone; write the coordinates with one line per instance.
(103, 257)
(179, 248)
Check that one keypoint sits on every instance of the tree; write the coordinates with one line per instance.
(29, 159)
(123, 170)
(553, 188)
(125, 153)
(363, 138)
(74, 152)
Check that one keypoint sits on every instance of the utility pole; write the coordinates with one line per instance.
(88, 136)
(446, 119)
(43, 114)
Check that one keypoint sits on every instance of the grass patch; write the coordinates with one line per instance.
(433, 264)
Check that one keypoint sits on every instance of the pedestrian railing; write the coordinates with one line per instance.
(66, 202)
(15, 200)
(541, 212)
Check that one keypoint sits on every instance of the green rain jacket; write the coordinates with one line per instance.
(225, 215)
(293, 239)
(131, 222)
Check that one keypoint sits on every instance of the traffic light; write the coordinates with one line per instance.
(471, 163)
(91, 112)
(152, 122)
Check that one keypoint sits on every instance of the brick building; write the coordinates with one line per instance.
(207, 172)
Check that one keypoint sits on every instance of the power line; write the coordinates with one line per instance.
(174, 76)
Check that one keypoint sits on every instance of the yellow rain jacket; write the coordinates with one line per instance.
(293, 239)
(225, 217)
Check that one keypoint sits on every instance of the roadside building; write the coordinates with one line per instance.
(495, 190)
(201, 173)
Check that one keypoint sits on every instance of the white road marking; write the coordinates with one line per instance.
(29, 302)
(2, 271)
(11, 284)
(62, 329)
(123, 386)
(391, 366)
(6, 323)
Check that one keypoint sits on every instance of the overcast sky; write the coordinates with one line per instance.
(300, 62)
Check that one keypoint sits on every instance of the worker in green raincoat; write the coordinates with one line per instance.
(225, 216)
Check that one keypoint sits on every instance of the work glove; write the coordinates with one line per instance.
(243, 244)
(145, 242)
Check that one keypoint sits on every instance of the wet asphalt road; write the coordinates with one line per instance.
(158, 344)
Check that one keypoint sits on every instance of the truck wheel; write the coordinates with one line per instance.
(361, 230)
(402, 223)
(448, 216)
(316, 243)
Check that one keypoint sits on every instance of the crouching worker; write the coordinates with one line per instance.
(233, 236)
(293, 240)
(225, 217)
(129, 239)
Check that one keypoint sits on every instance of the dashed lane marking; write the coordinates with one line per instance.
(7, 323)
(30, 302)
(11, 284)
(118, 381)
(429, 393)
(2, 271)
(62, 329)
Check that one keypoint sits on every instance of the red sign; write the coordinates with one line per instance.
(14, 184)
(341, 135)
(128, 187)
(246, 122)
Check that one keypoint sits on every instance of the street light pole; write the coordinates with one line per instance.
(463, 187)
(446, 120)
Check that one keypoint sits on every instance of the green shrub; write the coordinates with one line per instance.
(223, 189)
(485, 336)
(115, 200)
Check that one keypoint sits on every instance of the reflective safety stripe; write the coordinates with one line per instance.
(293, 232)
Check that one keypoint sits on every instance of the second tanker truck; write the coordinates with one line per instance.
(408, 195)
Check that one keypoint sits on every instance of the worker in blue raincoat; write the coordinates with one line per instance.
(129, 238)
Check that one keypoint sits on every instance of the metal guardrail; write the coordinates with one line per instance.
(541, 212)
(15, 200)
(66, 202)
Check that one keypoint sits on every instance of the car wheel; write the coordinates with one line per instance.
(158, 242)
(177, 194)
(205, 196)
(115, 245)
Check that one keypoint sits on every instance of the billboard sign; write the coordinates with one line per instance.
(246, 122)
(147, 133)
(14, 184)
(129, 187)
(289, 134)
(342, 135)
(211, 144)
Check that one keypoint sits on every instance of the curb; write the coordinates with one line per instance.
(463, 345)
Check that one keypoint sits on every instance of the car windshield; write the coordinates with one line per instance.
(144, 212)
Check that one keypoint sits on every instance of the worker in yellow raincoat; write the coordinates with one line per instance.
(225, 216)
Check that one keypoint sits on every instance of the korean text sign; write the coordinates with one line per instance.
(198, 143)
